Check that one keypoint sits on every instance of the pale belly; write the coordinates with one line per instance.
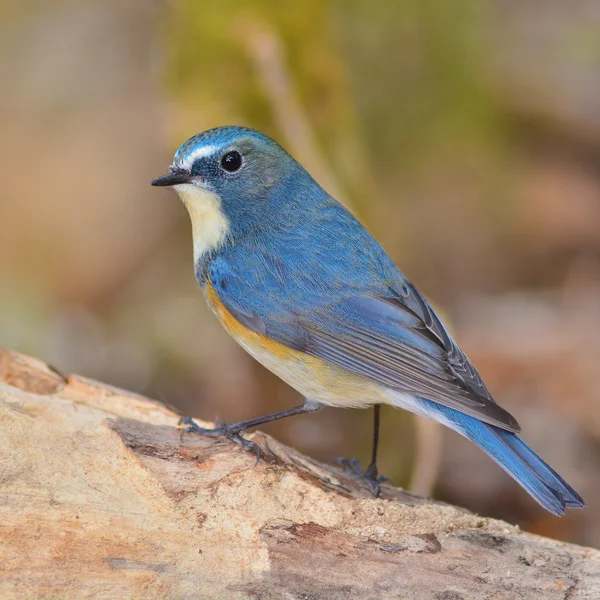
(317, 380)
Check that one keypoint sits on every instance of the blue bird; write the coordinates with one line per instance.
(302, 286)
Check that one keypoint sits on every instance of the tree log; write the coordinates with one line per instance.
(100, 499)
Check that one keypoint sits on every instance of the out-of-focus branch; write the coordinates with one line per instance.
(429, 437)
(266, 52)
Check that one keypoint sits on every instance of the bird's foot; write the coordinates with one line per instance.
(231, 432)
(370, 475)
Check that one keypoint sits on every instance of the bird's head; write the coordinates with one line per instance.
(230, 179)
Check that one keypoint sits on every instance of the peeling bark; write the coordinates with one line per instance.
(100, 499)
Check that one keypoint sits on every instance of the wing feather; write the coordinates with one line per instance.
(369, 339)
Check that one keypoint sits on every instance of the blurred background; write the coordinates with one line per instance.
(466, 135)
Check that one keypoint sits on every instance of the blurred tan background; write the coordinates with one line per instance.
(465, 134)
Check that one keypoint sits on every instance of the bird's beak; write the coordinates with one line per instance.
(175, 177)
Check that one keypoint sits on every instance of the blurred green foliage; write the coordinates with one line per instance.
(404, 77)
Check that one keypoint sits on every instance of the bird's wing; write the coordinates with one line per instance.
(394, 339)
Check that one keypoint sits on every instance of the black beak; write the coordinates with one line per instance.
(173, 178)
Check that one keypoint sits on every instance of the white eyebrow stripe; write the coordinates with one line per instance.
(201, 152)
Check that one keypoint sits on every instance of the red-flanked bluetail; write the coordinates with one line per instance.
(301, 285)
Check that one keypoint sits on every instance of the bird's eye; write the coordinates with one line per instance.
(232, 161)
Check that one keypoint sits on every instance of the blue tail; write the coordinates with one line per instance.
(516, 458)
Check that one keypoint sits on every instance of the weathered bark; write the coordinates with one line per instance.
(100, 499)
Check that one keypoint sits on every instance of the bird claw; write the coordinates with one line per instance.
(230, 432)
(370, 476)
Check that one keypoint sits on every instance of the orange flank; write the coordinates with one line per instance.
(240, 332)
(314, 378)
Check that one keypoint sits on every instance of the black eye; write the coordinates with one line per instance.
(232, 161)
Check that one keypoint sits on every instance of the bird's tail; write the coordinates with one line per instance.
(516, 458)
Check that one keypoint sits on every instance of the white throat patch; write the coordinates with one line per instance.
(209, 225)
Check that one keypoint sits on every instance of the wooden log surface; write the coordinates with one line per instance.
(99, 498)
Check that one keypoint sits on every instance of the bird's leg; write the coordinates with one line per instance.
(232, 432)
(371, 471)
(371, 475)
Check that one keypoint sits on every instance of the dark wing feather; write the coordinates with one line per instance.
(400, 343)
(458, 364)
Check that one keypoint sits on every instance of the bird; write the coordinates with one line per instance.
(304, 288)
